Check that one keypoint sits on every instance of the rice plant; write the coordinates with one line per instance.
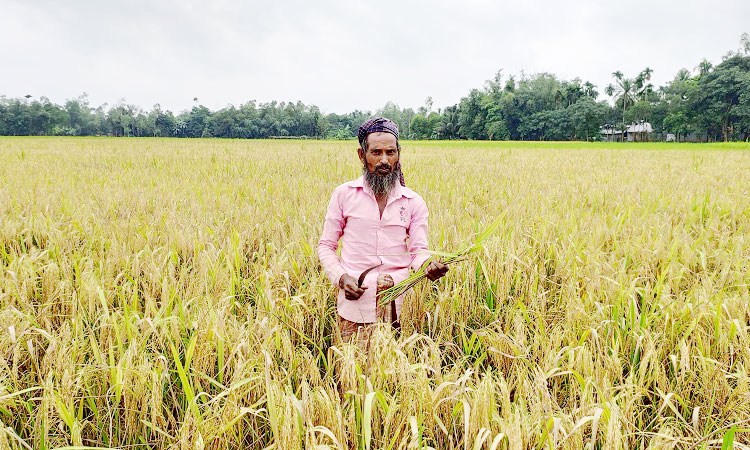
(166, 293)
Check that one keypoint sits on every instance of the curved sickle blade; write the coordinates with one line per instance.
(361, 278)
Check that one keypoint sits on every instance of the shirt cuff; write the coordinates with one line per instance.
(336, 274)
(419, 259)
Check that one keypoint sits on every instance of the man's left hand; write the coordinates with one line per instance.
(435, 270)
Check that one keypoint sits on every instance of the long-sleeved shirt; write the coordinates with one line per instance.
(398, 240)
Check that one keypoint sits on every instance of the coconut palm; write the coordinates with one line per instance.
(642, 86)
(704, 67)
(449, 125)
(590, 90)
(682, 75)
(622, 91)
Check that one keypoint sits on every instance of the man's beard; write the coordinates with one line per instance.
(381, 185)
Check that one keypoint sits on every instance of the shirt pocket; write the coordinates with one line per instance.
(394, 233)
(396, 220)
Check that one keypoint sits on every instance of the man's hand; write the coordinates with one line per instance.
(435, 270)
(351, 290)
(385, 281)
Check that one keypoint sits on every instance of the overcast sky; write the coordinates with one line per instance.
(343, 55)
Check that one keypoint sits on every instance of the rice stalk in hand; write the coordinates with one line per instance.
(462, 254)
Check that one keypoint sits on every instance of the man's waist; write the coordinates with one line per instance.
(384, 265)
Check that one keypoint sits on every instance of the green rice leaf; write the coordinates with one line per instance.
(399, 289)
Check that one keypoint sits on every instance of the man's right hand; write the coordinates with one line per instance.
(351, 290)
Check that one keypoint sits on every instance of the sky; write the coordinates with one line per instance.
(343, 55)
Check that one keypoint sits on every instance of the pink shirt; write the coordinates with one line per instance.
(398, 240)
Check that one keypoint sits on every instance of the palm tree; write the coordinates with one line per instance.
(622, 91)
(704, 67)
(590, 90)
(682, 75)
(449, 125)
(642, 87)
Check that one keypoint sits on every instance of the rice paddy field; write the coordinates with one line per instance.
(166, 294)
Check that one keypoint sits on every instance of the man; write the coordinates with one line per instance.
(382, 225)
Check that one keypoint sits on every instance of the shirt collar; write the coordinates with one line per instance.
(397, 192)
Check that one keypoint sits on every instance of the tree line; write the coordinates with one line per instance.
(709, 103)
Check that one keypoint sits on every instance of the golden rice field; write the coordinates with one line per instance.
(165, 293)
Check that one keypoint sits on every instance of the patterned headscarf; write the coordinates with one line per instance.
(380, 125)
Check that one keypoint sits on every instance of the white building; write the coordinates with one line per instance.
(636, 132)
(639, 132)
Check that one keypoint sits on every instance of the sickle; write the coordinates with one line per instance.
(362, 276)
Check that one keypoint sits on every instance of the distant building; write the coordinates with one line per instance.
(611, 134)
(639, 132)
(636, 132)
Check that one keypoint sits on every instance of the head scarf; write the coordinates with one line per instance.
(380, 125)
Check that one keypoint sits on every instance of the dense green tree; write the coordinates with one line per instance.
(678, 116)
(82, 118)
(164, 122)
(587, 117)
(641, 111)
(721, 100)
(471, 116)
(713, 103)
(196, 121)
(427, 127)
(226, 123)
(16, 118)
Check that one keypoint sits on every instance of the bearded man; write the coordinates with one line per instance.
(382, 225)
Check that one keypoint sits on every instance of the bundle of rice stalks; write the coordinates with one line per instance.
(462, 254)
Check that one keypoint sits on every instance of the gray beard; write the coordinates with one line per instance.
(381, 185)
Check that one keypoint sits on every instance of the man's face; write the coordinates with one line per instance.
(382, 153)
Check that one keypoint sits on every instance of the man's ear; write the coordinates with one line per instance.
(361, 154)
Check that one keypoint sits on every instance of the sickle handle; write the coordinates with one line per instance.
(361, 278)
